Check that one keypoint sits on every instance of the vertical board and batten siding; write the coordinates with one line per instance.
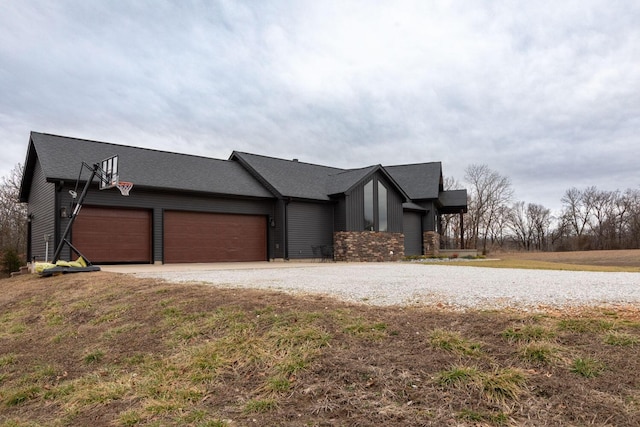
(43, 213)
(429, 220)
(412, 233)
(159, 201)
(354, 208)
(395, 217)
(340, 214)
(308, 225)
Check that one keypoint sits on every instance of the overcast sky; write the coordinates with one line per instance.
(546, 93)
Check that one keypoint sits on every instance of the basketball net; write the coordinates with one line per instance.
(124, 187)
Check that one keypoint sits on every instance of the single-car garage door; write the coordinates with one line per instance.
(207, 237)
(113, 235)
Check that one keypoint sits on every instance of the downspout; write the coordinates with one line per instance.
(285, 229)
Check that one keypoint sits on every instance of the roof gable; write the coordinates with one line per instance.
(61, 159)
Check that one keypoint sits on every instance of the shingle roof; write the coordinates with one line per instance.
(61, 158)
(453, 201)
(343, 181)
(290, 178)
(420, 181)
(244, 174)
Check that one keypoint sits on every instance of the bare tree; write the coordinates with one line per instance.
(631, 218)
(13, 214)
(576, 213)
(531, 224)
(540, 222)
(519, 225)
(490, 192)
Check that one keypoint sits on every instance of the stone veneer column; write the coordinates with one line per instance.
(431, 242)
(371, 246)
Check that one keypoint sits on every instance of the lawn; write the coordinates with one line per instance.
(110, 349)
(608, 261)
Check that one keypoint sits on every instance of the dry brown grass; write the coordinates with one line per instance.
(606, 261)
(109, 349)
(623, 258)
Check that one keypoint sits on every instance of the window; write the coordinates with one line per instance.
(382, 207)
(375, 196)
(368, 206)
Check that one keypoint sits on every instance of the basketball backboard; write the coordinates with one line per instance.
(109, 173)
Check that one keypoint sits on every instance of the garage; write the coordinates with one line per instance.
(209, 237)
(113, 235)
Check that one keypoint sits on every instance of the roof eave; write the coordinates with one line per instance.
(27, 172)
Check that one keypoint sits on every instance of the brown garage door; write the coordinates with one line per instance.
(113, 235)
(206, 237)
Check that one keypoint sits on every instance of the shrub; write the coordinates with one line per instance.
(11, 261)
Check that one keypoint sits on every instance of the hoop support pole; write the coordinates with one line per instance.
(76, 211)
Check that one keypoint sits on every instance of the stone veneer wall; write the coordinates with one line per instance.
(431, 243)
(371, 246)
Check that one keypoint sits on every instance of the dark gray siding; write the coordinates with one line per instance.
(159, 201)
(429, 220)
(412, 233)
(309, 224)
(354, 205)
(395, 212)
(42, 211)
(340, 214)
(276, 232)
(355, 209)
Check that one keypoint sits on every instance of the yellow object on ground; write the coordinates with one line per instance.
(43, 266)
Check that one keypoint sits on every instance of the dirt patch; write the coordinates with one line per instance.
(110, 349)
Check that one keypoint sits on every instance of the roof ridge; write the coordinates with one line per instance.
(129, 146)
(413, 164)
(342, 171)
(295, 160)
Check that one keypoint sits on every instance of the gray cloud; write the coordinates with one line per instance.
(544, 93)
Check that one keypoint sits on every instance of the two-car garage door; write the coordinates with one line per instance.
(207, 237)
(115, 235)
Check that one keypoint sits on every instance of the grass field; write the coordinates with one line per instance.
(608, 261)
(110, 349)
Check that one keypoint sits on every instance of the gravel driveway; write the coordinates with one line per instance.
(427, 284)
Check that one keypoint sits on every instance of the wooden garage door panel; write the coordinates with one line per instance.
(206, 237)
(113, 235)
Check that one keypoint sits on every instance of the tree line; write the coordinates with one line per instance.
(589, 219)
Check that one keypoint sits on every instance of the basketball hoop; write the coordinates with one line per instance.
(124, 187)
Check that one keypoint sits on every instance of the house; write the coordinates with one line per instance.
(250, 207)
